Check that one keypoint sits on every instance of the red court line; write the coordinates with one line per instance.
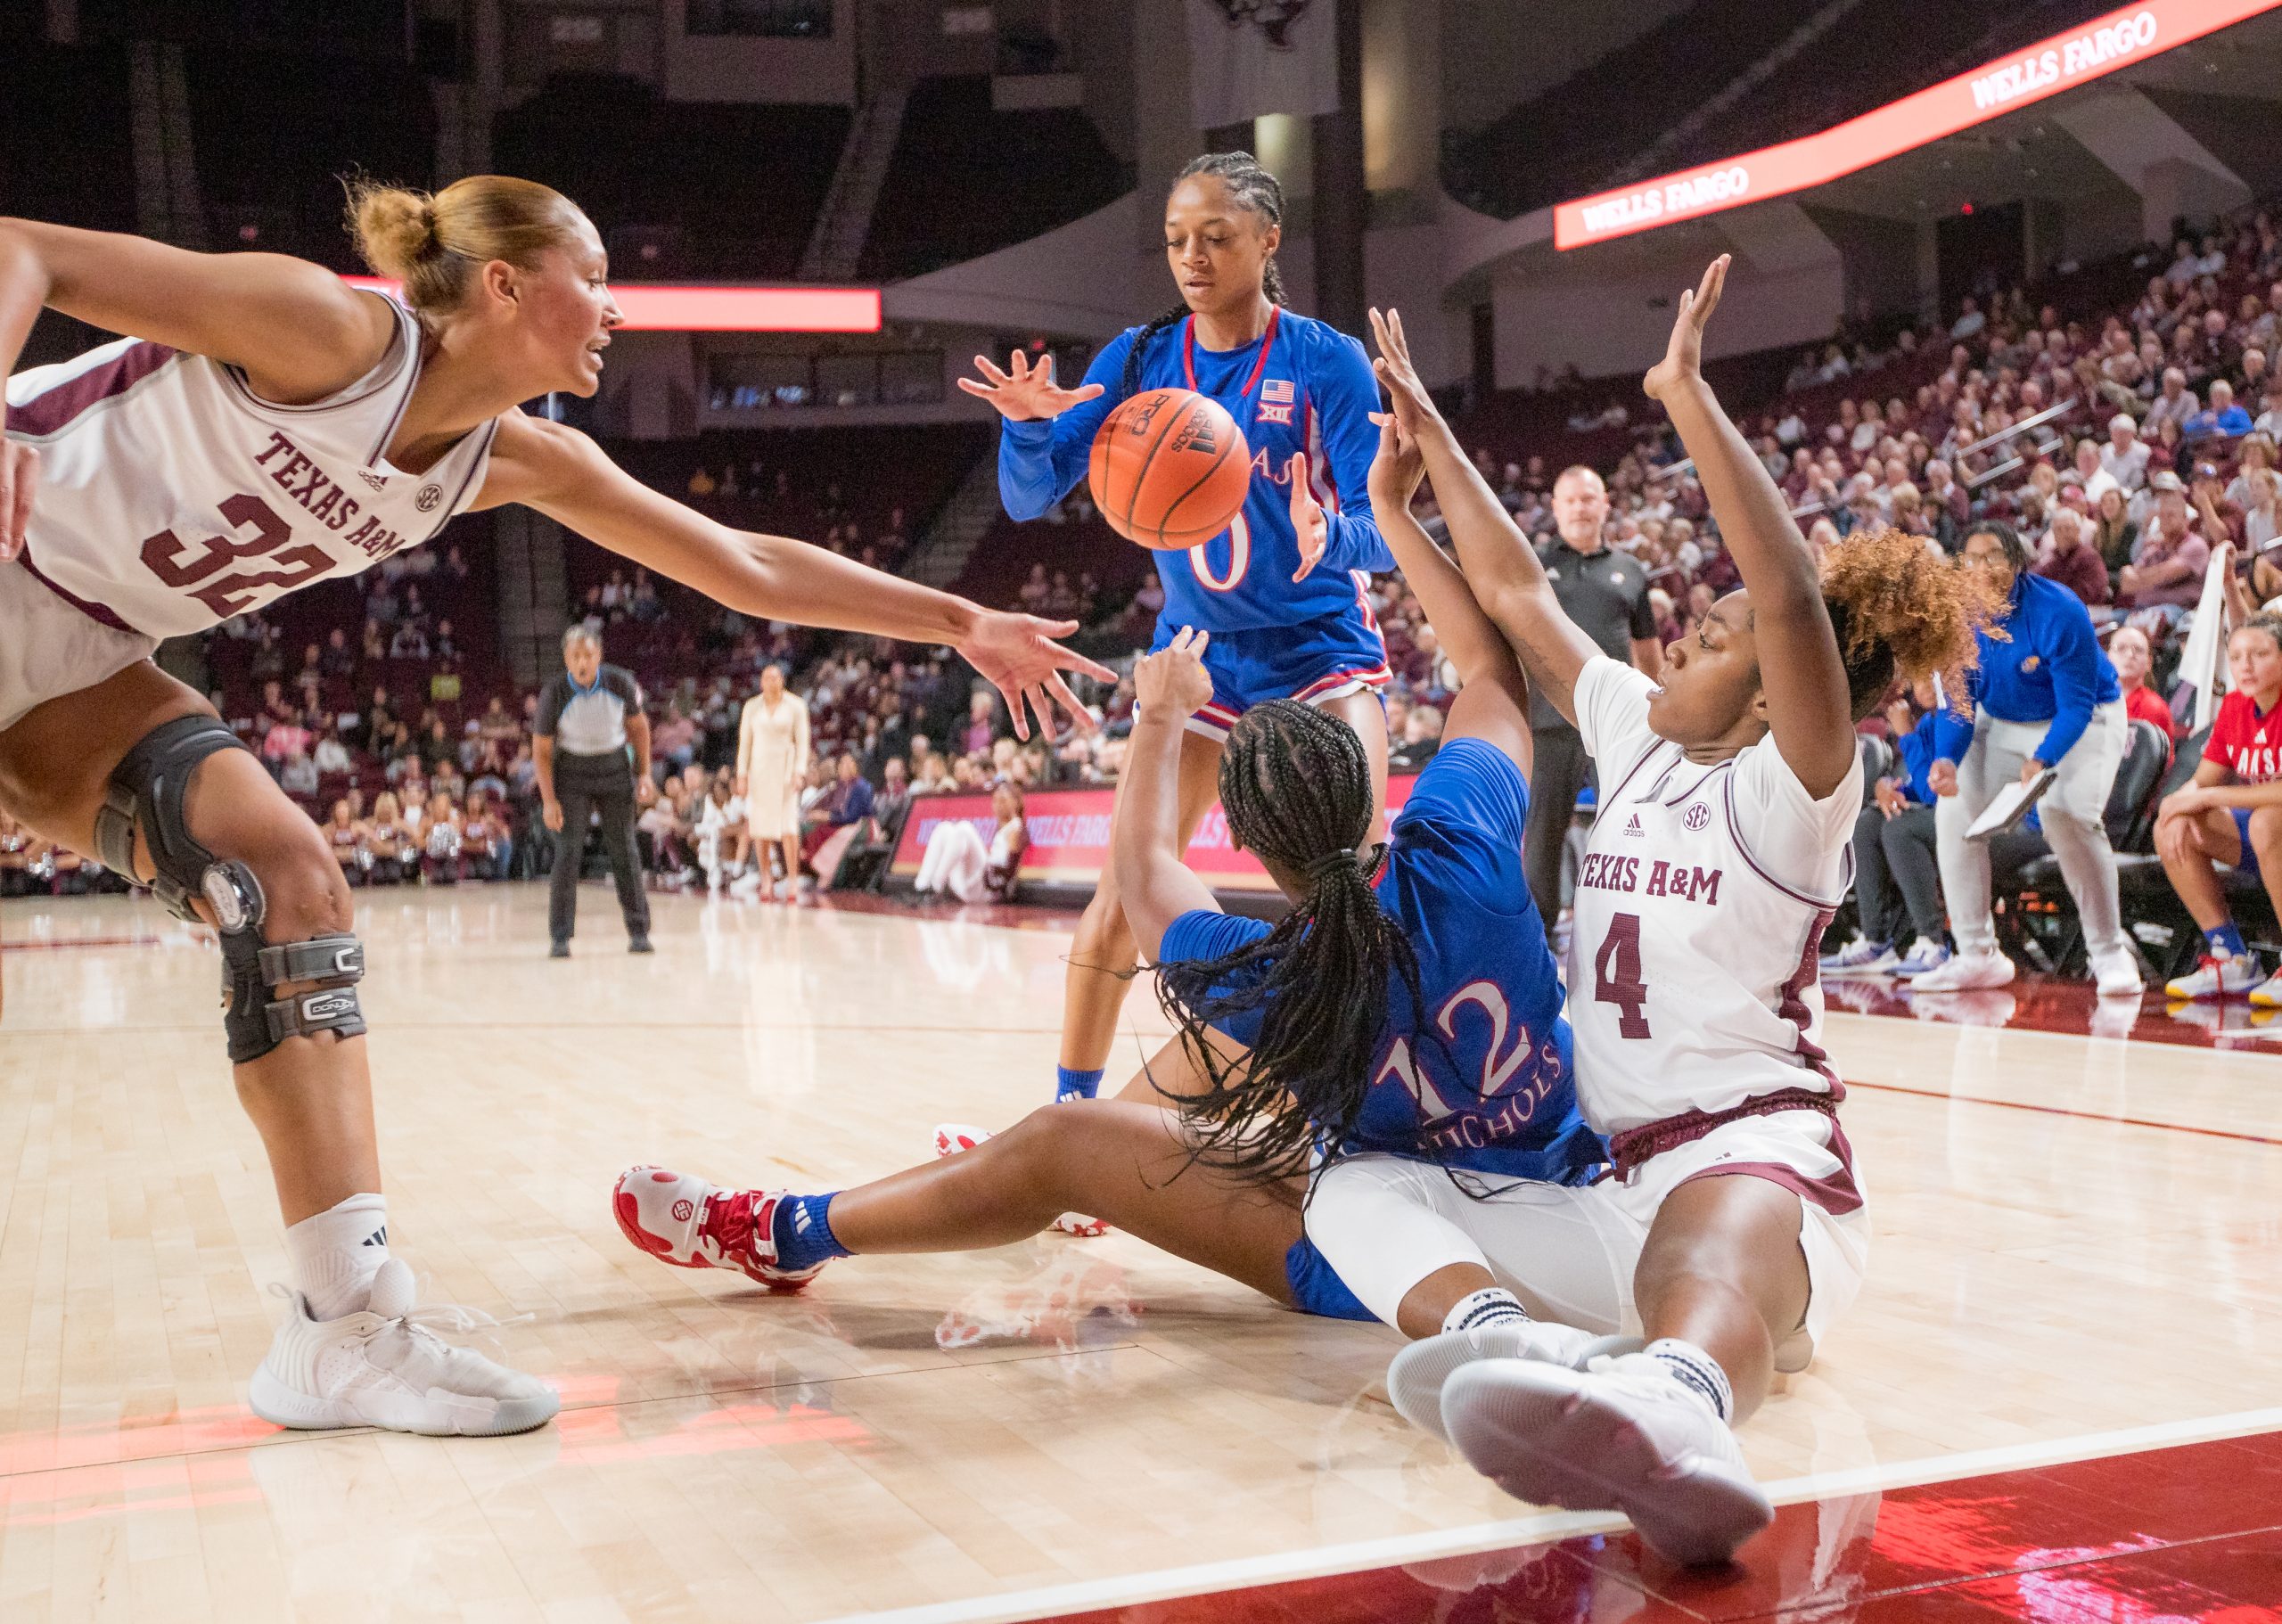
(2062, 1111)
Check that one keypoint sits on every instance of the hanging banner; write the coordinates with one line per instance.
(1251, 57)
(2047, 69)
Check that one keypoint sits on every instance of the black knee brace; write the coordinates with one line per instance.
(147, 794)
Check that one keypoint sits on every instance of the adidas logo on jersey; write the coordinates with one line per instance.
(1634, 828)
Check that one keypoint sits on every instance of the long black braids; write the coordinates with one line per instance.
(1296, 787)
(1254, 189)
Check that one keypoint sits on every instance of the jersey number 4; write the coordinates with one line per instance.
(193, 565)
(1616, 975)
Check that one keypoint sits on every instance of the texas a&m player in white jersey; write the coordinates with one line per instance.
(1733, 1228)
(267, 427)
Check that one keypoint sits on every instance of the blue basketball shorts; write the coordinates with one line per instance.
(1317, 1288)
(1311, 662)
(2246, 863)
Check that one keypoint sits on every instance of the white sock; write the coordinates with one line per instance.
(335, 1254)
(1697, 1371)
(1492, 1305)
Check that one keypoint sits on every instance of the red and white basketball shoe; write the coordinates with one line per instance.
(679, 1218)
(952, 1137)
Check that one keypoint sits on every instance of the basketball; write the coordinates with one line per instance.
(1170, 469)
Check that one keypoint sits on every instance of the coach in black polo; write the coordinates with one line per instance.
(1606, 594)
(588, 716)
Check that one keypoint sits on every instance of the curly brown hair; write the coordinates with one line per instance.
(1901, 609)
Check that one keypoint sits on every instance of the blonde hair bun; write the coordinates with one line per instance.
(433, 244)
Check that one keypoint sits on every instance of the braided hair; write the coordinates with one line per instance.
(1255, 190)
(1296, 786)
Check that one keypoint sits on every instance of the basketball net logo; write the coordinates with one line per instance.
(1273, 18)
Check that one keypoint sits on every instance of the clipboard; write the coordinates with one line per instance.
(2010, 806)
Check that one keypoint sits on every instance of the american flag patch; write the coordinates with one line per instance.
(1276, 389)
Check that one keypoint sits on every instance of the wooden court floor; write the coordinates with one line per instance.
(2079, 1250)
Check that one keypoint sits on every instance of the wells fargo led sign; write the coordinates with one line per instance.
(2062, 63)
(664, 307)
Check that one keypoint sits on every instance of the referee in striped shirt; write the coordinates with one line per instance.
(591, 745)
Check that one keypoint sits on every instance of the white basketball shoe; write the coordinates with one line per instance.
(1625, 1435)
(1967, 973)
(1419, 1373)
(385, 1366)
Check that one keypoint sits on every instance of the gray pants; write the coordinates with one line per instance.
(2071, 813)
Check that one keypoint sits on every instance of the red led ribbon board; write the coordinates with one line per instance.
(1069, 830)
(2060, 63)
(666, 307)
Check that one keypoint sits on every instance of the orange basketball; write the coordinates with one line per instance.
(1170, 469)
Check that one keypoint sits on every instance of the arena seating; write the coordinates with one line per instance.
(718, 189)
(966, 179)
(1891, 51)
(277, 177)
(1541, 152)
(66, 153)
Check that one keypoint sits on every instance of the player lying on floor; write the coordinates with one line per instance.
(1733, 1233)
(1408, 1003)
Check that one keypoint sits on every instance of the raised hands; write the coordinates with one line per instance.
(1397, 469)
(1023, 393)
(1016, 653)
(1172, 684)
(1684, 355)
(1413, 406)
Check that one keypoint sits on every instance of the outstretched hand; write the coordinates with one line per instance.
(1017, 655)
(1397, 468)
(1684, 355)
(1172, 684)
(1395, 370)
(1023, 393)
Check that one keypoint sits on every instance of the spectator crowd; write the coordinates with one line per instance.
(2122, 425)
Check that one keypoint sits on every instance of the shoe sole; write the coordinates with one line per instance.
(281, 1406)
(1422, 1370)
(1533, 1438)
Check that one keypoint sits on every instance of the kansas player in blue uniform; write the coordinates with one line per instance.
(1408, 1004)
(1282, 591)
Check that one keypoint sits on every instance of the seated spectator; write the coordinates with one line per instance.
(980, 727)
(2133, 658)
(894, 798)
(410, 642)
(2115, 536)
(2231, 813)
(1035, 591)
(2166, 570)
(2068, 557)
(957, 861)
(2222, 419)
(673, 743)
(298, 775)
(1894, 848)
(2175, 404)
(332, 753)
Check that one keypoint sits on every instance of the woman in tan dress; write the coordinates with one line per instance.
(772, 760)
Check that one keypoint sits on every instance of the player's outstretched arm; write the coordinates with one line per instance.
(1048, 437)
(1492, 702)
(1144, 843)
(1800, 669)
(1500, 567)
(566, 476)
(298, 331)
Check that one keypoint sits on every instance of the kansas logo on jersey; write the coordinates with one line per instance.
(1277, 400)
